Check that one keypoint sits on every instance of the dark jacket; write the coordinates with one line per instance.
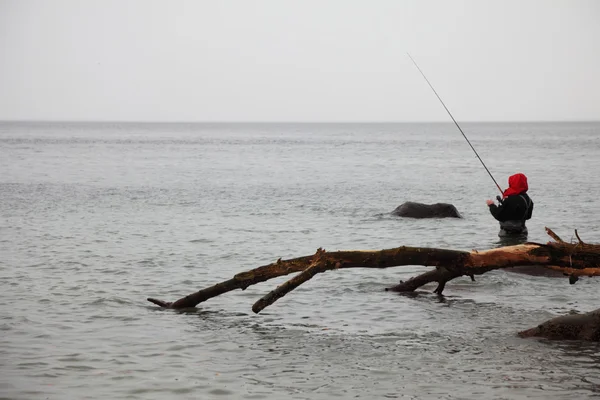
(518, 207)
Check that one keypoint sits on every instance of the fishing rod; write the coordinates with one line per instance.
(456, 123)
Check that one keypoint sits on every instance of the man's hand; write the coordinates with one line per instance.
(489, 202)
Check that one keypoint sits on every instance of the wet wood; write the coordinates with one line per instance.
(573, 259)
(441, 275)
(318, 265)
(346, 259)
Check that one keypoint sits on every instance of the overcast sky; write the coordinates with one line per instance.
(326, 60)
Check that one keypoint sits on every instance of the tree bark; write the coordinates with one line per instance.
(318, 265)
(441, 275)
(573, 259)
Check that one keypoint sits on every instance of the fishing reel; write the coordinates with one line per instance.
(499, 199)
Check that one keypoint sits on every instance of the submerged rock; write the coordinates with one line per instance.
(419, 210)
(568, 327)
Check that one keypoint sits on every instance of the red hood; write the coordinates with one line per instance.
(517, 184)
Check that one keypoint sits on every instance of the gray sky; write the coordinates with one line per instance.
(327, 60)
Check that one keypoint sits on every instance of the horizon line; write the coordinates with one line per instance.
(110, 121)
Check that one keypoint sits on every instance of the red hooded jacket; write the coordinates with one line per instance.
(517, 184)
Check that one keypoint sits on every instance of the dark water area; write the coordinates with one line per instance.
(95, 217)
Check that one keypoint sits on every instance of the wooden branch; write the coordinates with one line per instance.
(553, 235)
(349, 259)
(440, 275)
(572, 259)
(578, 238)
(239, 281)
(320, 264)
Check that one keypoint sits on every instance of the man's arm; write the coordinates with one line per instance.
(495, 210)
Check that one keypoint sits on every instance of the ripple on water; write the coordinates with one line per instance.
(85, 243)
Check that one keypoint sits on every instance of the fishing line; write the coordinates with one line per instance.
(456, 123)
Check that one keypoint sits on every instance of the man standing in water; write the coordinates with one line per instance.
(515, 207)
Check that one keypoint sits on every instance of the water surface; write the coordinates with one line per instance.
(97, 217)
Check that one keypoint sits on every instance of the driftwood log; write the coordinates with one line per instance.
(572, 259)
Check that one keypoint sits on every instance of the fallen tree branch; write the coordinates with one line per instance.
(553, 235)
(441, 275)
(320, 264)
(572, 259)
(347, 259)
(578, 238)
(239, 281)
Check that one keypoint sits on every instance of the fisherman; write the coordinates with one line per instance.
(515, 207)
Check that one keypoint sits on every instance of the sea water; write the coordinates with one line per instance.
(96, 217)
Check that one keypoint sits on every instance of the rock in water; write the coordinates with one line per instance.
(419, 210)
(568, 327)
